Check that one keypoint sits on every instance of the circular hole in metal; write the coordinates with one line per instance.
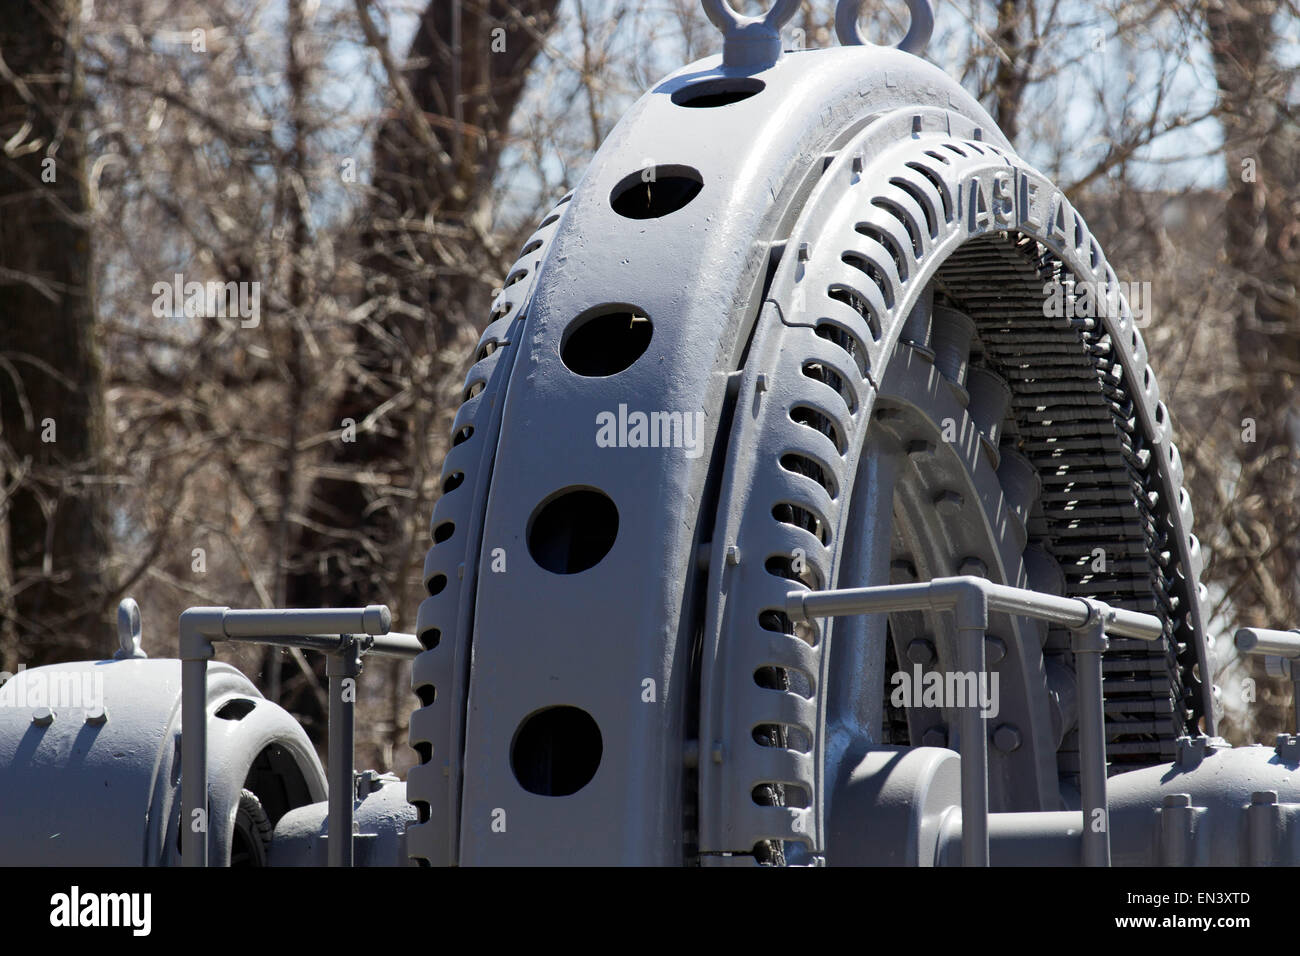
(708, 94)
(556, 751)
(573, 531)
(656, 191)
(606, 341)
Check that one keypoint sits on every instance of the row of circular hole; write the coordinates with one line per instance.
(556, 751)
(574, 530)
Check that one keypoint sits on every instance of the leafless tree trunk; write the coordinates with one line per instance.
(1262, 248)
(53, 539)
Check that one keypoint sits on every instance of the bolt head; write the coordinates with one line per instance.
(98, 717)
(974, 567)
(948, 502)
(920, 651)
(935, 737)
(995, 649)
(1007, 738)
(903, 569)
(42, 717)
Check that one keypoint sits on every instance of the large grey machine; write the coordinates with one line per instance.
(788, 519)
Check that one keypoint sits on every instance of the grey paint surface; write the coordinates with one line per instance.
(81, 793)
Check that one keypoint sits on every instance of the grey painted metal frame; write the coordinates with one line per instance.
(1280, 650)
(330, 631)
(970, 599)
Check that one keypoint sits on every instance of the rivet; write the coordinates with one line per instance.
(974, 567)
(760, 382)
(42, 717)
(97, 717)
(805, 252)
(1176, 800)
(733, 555)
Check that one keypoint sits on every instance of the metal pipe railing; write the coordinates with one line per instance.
(970, 599)
(1280, 650)
(345, 634)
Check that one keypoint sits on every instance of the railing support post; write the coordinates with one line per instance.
(342, 668)
(196, 627)
(1088, 642)
(971, 610)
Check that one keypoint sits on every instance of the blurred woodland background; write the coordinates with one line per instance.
(374, 165)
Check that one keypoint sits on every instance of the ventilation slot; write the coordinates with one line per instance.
(782, 566)
(812, 418)
(654, 193)
(939, 186)
(780, 795)
(779, 622)
(236, 709)
(711, 94)
(605, 342)
(463, 435)
(927, 209)
(556, 751)
(800, 517)
(895, 252)
(453, 481)
(573, 532)
(854, 300)
(427, 694)
(796, 681)
(840, 336)
(828, 376)
(908, 223)
(803, 465)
